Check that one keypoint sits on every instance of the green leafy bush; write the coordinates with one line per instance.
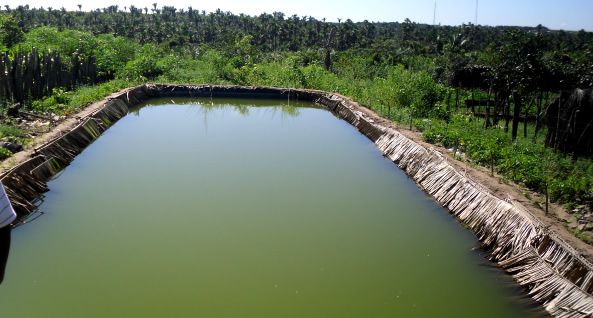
(143, 66)
(64, 42)
(10, 32)
(522, 161)
(113, 53)
(9, 131)
(4, 153)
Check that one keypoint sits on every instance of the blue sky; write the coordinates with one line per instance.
(555, 14)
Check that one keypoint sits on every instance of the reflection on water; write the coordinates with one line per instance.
(282, 108)
(241, 106)
(244, 208)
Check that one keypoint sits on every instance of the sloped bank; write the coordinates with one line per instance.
(551, 271)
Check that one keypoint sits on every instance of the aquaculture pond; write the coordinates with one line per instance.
(245, 208)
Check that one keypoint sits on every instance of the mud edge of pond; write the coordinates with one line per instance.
(553, 273)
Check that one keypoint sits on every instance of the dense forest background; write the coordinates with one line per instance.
(514, 99)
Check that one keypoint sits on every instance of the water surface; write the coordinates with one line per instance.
(245, 208)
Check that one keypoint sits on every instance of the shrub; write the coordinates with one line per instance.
(63, 42)
(143, 66)
(113, 53)
(4, 153)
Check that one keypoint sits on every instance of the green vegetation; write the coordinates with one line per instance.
(4, 153)
(416, 75)
(522, 161)
(68, 102)
(9, 132)
(10, 33)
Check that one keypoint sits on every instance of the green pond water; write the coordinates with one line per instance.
(245, 208)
